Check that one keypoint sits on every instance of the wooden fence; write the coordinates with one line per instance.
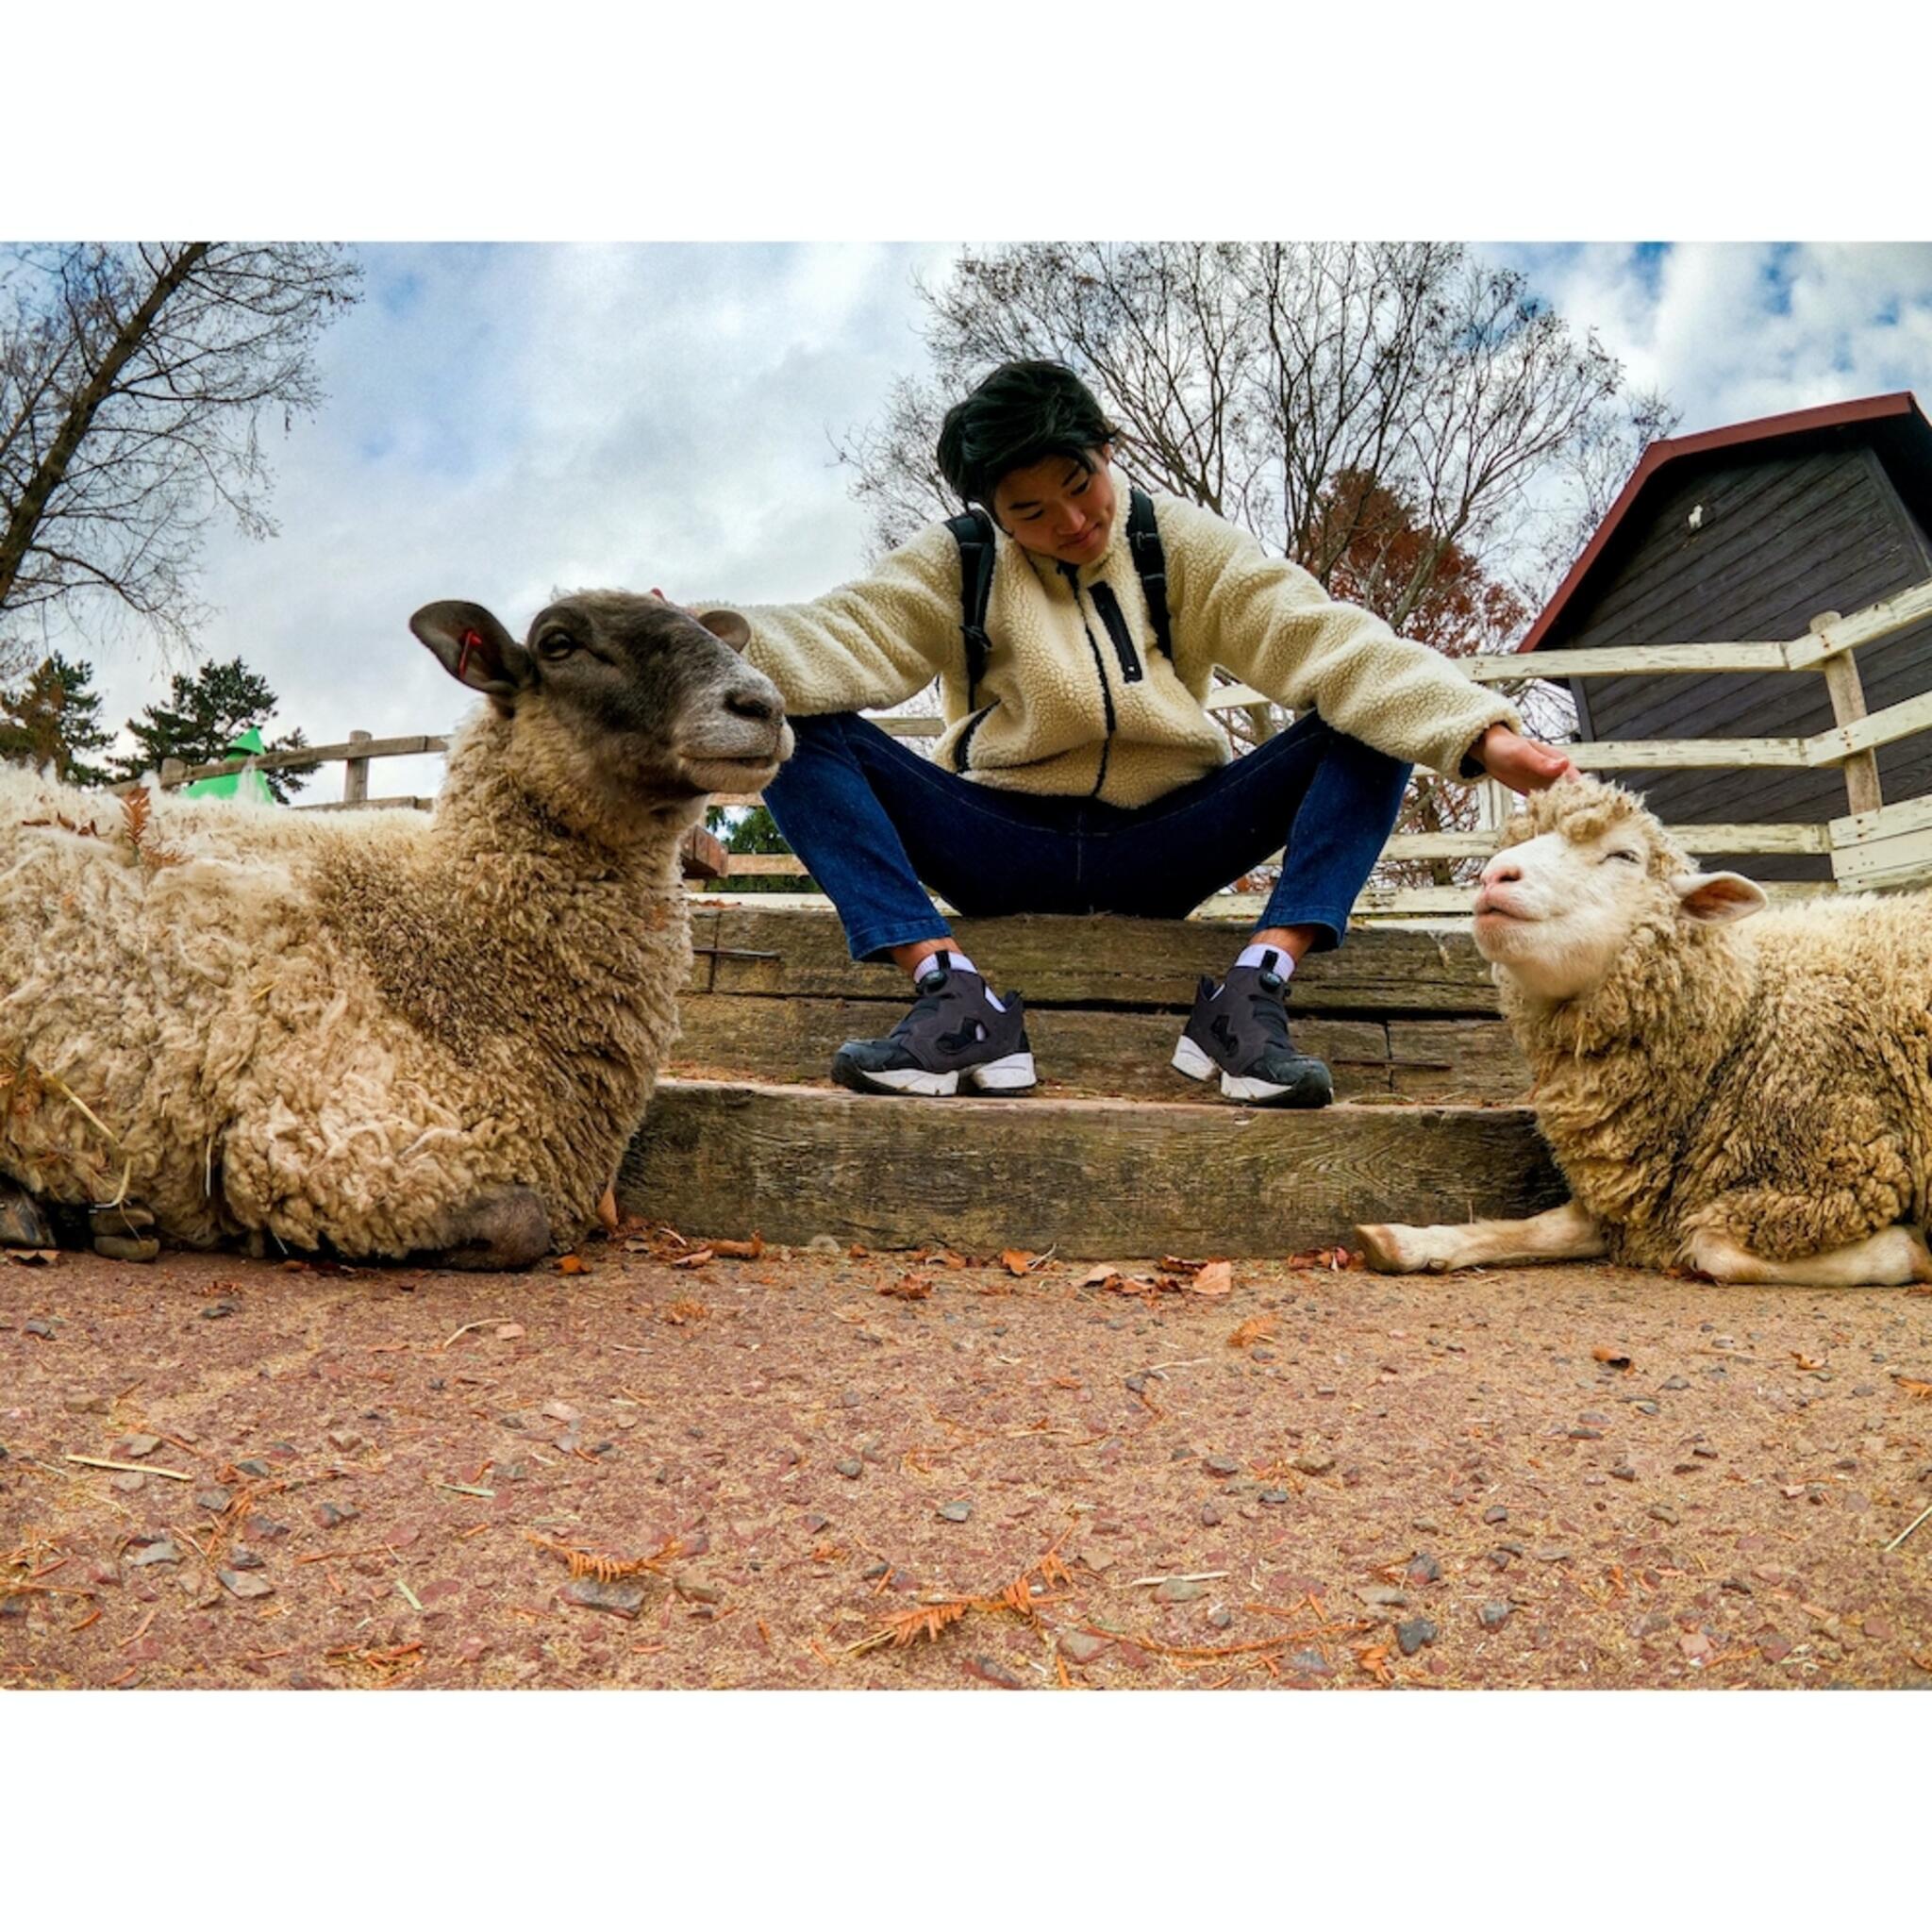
(1872, 845)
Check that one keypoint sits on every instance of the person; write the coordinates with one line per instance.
(1079, 771)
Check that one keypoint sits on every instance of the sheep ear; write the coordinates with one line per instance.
(727, 625)
(473, 648)
(1716, 898)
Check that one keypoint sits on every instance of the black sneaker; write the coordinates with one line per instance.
(1239, 1030)
(953, 1029)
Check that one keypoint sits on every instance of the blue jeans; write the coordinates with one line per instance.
(872, 819)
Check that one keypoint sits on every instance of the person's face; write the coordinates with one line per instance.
(1057, 507)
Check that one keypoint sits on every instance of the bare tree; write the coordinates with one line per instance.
(133, 382)
(1411, 426)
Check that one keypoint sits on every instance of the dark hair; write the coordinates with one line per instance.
(1022, 412)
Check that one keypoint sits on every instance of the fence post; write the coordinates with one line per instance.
(1847, 693)
(355, 772)
(172, 771)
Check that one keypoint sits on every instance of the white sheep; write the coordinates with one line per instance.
(1753, 1103)
(385, 1034)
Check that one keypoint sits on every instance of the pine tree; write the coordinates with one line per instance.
(205, 714)
(54, 719)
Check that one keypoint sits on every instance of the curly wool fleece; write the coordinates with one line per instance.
(1770, 1081)
(255, 1019)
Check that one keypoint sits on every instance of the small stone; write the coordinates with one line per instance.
(1211, 1516)
(162, 1552)
(213, 1497)
(849, 1466)
(245, 1559)
(954, 1512)
(1178, 1589)
(1274, 1496)
(254, 1466)
(1309, 1663)
(1675, 1383)
(1645, 1406)
(1553, 1553)
(1704, 1451)
(349, 1440)
(127, 1480)
(1423, 1567)
(621, 1599)
(1492, 1616)
(216, 1311)
(694, 1592)
(35, 1326)
(265, 1528)
(1495, 1513)
(1412, 1636)
(814, 1523)
(989, 1672)
(333, 1515)
(1314, 1462)
(876, 1570)
(1775, 1647)
(1080, 1647)
(1663, 1513)
(1220, 1619)
(245, 1587)
(137, 1446)
(1624, 1473)
(1223, 1465)
(1381, 1596)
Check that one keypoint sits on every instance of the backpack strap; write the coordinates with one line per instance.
(1150, 560)
(972, 532)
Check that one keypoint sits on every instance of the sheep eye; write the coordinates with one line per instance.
(554, 644)
(1631, 856)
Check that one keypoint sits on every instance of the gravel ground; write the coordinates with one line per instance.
(762, 1472)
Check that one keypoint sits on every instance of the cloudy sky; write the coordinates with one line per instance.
(505, 421)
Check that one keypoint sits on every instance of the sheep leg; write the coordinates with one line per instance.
(1889, 1258)
(1567, 1233)
(506, 1228)
(123, 1232)
(22, 1224)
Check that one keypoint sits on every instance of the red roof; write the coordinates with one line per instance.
(1903, 436)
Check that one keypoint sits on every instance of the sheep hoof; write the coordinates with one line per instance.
(119, 1247)
(22, 1223)
(506, 1228)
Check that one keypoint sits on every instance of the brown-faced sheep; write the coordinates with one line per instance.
(1753, 1102)
(381, 1033)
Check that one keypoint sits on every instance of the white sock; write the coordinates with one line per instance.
(1273, 957)
(958, 962)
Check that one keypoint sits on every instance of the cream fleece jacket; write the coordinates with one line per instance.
(1074, 703)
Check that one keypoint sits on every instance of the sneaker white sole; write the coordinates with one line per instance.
(1012, 1074)
(1190, 1061)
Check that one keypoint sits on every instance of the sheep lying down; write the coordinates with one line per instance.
(1752, 1101)
(378, 1034)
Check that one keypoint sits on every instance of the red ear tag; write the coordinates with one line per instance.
(473, 640)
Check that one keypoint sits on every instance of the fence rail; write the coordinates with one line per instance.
(1872, 846)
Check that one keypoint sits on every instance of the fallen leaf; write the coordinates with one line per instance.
(1922, 1390)
(909, 1287)
(1099, 1277)
(679, 1313)
(1215, 1279)
(696, 1259)
(1610, 1357)
(1017, 1260)
(753, 1250)
(34, 1257)
(1257, 1328)
(571, 1264)
(1805, 1361)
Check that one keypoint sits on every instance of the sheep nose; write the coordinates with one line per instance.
(760, 705)
(1500, 871)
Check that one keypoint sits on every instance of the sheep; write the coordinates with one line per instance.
(378, 1034)
(1753, 1104)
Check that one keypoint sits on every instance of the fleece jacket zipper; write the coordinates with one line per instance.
(1071, 574)
(1111, 616)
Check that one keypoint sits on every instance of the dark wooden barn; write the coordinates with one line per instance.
(1746, 534)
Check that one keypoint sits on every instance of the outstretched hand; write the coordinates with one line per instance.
(1521, 764)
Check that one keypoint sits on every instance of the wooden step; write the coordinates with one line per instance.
(1398, 1015)
(1094, 1179)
